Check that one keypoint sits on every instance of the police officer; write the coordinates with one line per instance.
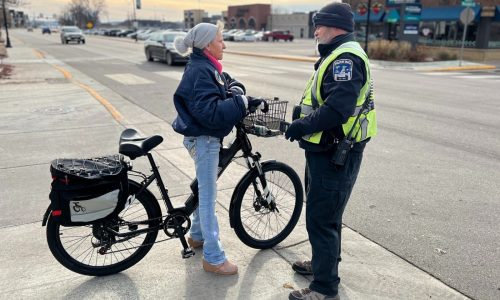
(333, 98)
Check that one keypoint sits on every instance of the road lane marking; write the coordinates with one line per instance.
(129, 79)
(262, 70)
(39, 54)
(296, 70)
(66, 74)
(444, 73)
(176, 75)
(112, 110)
(479, 77)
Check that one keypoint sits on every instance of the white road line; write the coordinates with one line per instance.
(295, 70)
(479, 77)
(176, 75)
(129, 79)
(262, 70)
(444, 73)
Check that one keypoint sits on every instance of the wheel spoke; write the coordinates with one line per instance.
(263, 224)
(80, 247)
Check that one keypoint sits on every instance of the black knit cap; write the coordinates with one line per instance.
(337, 15)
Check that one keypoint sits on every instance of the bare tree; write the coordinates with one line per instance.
(81, 12)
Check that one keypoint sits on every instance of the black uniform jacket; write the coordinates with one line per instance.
(340, 95)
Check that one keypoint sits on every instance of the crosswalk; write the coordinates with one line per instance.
(491, 75)
(238, 72)
(245, 71)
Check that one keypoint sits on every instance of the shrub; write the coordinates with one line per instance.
(444, 54)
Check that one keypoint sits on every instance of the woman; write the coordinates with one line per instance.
(208, 107)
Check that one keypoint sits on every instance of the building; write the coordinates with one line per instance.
(253, 16)
(297, 23)
(437, 23)
(193, 17)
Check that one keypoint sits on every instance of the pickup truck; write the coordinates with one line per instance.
(277, 35)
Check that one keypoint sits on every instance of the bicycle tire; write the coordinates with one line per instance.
(278, 176)
(55, 232)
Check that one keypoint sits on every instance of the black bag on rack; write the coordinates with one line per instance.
(84, 191)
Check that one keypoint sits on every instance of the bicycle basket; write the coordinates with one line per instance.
(271, 120)
(87, 190)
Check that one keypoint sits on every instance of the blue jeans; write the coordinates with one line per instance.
(205, 152)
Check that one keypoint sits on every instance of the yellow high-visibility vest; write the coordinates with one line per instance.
(366, 125)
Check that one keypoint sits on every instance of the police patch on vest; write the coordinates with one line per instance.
(342, 70)
(219, 79)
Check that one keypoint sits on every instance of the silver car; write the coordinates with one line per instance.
(160, 45)
(72, 33)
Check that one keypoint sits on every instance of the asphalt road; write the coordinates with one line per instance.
(428, 188)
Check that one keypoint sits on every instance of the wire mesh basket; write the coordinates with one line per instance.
(272, 119)
(90, 168)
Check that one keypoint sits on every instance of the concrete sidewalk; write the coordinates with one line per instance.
(50, 110)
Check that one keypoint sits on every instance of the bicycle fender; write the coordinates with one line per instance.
(145, 191)
(238, 187)
(46, 216)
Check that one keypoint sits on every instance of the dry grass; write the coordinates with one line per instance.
(402, 51)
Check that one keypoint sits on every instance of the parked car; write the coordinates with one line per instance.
(124, 32)
(247, 36)
(277, 35)
(160, 45)
(72, 33)
(45, 30)
(229, 35)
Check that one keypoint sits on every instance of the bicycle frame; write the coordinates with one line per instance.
(226, 155)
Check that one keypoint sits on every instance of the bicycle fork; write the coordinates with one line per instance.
(264, 196)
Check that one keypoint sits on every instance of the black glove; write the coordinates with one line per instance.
(254, 103)
(236, 87)
(227, 77)
(294, 131)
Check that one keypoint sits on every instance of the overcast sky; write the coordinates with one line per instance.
(169, 10)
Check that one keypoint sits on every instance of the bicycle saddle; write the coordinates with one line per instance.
(133, 145)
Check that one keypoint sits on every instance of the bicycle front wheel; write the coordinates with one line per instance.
(94, 250)
(263, 223)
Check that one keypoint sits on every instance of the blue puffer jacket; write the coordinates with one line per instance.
(202, 101)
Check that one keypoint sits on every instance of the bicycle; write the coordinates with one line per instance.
(265, 206)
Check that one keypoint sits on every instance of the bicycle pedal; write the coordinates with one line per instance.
(187, 253)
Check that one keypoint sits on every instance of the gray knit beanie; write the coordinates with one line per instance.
(197, 37)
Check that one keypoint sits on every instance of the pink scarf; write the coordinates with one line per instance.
(214, 61)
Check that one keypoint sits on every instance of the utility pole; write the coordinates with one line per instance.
(134, 21)
(7, 45)
(368, 25)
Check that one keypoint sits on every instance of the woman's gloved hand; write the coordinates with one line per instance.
(254, 103)
(233, 85)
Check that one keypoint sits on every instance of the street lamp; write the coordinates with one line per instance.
(7, 45)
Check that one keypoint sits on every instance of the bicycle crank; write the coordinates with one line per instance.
(176, 223)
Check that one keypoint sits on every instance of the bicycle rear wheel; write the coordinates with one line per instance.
(260, 224)
(92, 250)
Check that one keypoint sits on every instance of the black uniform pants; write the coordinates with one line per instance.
(327, 196)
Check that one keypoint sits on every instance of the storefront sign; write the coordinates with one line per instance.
(410, 29)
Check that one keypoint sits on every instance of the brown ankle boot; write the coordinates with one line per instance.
(194, 243)
(225, 268)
